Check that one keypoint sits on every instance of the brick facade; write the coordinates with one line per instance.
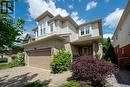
(123, 55)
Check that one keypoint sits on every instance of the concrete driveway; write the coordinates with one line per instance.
(20, 76)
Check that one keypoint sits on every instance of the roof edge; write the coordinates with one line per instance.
(43, 15)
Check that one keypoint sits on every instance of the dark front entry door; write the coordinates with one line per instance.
(87, 51)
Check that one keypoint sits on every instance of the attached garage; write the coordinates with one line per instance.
(40, 58)
(39, 52)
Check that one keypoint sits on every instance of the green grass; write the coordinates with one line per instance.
(4, 66)
(36, 84)
(73, 84)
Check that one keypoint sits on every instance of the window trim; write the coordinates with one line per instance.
(41, 31)
(51, 27)
(85, 28)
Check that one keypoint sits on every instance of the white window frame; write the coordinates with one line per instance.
(37, 33)
(43, 29)
(84, 28)
(52, 27)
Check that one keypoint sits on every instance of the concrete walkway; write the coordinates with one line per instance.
(20, 76)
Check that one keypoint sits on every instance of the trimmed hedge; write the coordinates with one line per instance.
(61, 61)
(3, 60)
(93, 71)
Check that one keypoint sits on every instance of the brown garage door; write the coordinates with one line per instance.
(40, 58)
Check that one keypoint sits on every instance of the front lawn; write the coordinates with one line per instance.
(17, 61)
(4, 66)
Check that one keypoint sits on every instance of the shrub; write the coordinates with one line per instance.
(73, 84)
(20, 57)
(3, 60)
(91, 70)
(70, 84)
(61, 61)
(36, 84)
(18, 61)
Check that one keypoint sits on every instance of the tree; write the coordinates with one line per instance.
(108, 51)
(9, 31)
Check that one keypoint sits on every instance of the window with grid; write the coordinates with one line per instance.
(51, 27)
(85, 30)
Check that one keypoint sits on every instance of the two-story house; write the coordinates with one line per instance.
(121, 38)
(57, 32)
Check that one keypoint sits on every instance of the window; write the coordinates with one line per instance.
(85, 30)
(41, 30)
(122, 51)
(51, 27)
(44, 30)
(37, 33)
(87, 51)
(82, 31)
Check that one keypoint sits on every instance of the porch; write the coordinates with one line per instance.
(90, 47)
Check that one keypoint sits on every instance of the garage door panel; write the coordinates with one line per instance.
(40, 59)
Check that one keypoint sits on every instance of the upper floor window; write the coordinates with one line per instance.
(37, 33)
(85, 30)
(41, 30)
(82, 31)
(51, 27)
(44, 30)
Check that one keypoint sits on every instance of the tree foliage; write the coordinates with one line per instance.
(9, 31)
(108, 51)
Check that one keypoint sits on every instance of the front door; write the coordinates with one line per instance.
(87, 51)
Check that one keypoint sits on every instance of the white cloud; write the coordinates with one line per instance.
(107, 35)
(37, 7)
(70, 6)
(91, 5)
(113, 18)
(75, 16)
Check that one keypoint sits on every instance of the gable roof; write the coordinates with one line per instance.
(35, 29)
(90, 22)
(59, 17)
(29, 35)
(123, 17)
(46, 13)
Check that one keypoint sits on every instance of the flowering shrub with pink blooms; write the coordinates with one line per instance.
(93, 71)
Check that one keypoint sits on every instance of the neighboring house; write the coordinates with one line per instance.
(29, 38)
(121, 38)
(57, 32)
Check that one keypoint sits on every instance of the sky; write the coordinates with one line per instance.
(81, 11)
